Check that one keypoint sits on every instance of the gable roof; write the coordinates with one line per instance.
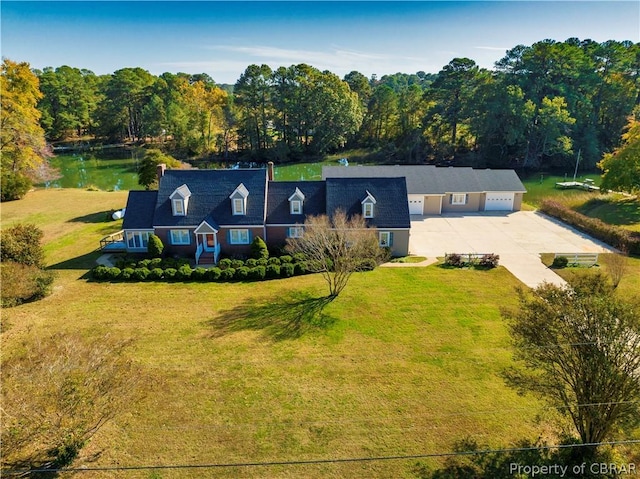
(140, 208)
(391, 209)
(429, 179)
(278, 210)
(210, 191)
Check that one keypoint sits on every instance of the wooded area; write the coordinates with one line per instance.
(539, 106)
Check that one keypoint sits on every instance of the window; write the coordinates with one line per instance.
(459, 199)
(296, 207)
(180, 237)
(239, 236)
(238, 206)
(296, 232)
(386, 238)
(178, 207)
(367, 210)
(137, 239)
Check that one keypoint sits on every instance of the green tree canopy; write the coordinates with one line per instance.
(622, 167)
(147, 172)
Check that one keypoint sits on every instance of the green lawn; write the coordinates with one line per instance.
(406, 361)
(543, 186)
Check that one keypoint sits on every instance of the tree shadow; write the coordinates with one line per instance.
(99, 217)
(286, 317)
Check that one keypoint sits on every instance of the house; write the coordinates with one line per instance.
(434, 190)
(203, 213)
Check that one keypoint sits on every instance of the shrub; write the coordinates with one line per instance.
(489, 261)
(616, 236)
(155, 246)
(237, 263)
(183, 273)
(156, 273)
(272, 271)
(287, 270)
(259, 248)
(300, 268)
(21, 244)
(251, 263)
(257, 273)
(274, 261)
(454, 260)
(113, 273)
(22, 283)
(170, 274)
(242, 273)
(224, 263)
(262, 262)
(367, 265)
(560, 262)
(213, 274)
(127, 274)
(13, 185)
(227, 274)
(99, 272)
(286, 259)
(145, 263)
(141, 274)
(154, 263)
(198, 274)
(299, 257)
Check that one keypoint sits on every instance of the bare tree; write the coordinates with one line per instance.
(616, 266)
(336, 247)
(56, 394)
(579, 348)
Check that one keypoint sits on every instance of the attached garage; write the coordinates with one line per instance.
(499, 201)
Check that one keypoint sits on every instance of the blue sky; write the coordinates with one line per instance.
(223, 38)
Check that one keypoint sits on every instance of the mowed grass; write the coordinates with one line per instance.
(406, 361)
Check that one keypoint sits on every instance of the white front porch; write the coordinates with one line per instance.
(208, 248)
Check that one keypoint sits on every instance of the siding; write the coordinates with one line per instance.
(432, 205)
(517, 201)
(473, 204)
(400, 245)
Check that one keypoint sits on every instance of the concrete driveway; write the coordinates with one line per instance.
(518, 237)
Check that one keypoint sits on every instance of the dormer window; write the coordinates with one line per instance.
(368, 205)
(239, 200)
(180, 200)
(295, 202)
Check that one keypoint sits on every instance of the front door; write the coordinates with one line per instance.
(209, 242)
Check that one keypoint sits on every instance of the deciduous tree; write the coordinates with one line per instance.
(579, 349)
(147, 172)
(336, 246)
(622, 167)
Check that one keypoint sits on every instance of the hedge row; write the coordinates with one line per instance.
(225, 263)
(615, 236)
(186, 273)
(485, 261)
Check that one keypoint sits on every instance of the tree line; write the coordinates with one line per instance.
(542, 106)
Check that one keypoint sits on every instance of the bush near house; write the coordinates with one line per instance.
(472, 260)
(155, 246)
(259, 248)
(615, 236)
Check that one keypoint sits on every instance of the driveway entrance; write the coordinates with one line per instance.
(518, 237)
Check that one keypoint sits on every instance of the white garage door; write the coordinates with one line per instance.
(499, 202)
(415, 204)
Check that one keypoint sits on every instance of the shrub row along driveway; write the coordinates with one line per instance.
(518, 238)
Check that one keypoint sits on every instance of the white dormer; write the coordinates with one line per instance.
(180, 200)
(239, 200)
(295, 202)
(367, 205)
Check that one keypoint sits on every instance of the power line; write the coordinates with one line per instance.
(14, 472)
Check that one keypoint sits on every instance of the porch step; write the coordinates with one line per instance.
(206, 259)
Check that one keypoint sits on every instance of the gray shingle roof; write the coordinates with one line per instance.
(210, 191)
(391, 209)
(140, 208)
(278, 211)
(429, 179)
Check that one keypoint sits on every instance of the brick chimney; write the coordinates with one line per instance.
(270, 171)
(160, 170)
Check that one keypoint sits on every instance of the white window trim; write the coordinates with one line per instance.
(384, 234)
(296, 207)
(458, 198)
(367, 210)
(143, 239)
(295, 232)
(238, 202)
(178, 207)
(182, 239)
(242, 236)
